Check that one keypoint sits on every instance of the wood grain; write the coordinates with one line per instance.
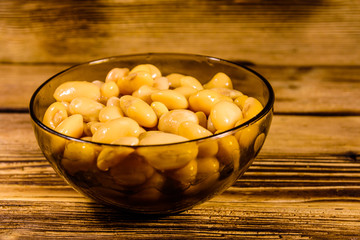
(18, 83)
(304, 184)
(299, 90)
(290, 162)
(213, 220)
(314, 90)
(264, 32)
(289, 135)
(294, 190)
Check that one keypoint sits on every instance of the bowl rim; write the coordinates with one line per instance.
(266, 109)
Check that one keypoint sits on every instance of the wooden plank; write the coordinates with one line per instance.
(320, 157)
(31, 183)
(289, 135)
(277, 32)
(319, 154)
(299, 180)
(216, 219)
(314, 90)
(298, 90)
(18, 82)
(313, 135)
(17, 136)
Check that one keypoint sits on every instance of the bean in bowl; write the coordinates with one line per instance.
(152, 133)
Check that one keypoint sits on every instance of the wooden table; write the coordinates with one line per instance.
(305, 183)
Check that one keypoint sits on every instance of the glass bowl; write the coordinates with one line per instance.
(135, 185)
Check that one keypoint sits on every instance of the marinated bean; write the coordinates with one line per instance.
(57, 144)
(159, 137)
(66, 104)
(112, 156)
(219, 80)
(202, 119)
(241, 121)
(247, 136)
(224, 115)
(251, 108)
(161, 83)
(94, 126)
(192, 130)
(114, 129)
(144, 93)
(115, 74)
(86, 131)
(230, 93)
(130, 141)
(185, 175)
(148, 133)
(186, 91)
(110, 113)
(78, 156)
(87, 107)
(204, 100)
(167, 157)
(141, 130)
(219, 131)
(133, 171)
(170, 121)
(159, 108)
(240, 101)
(149, 68)
(259, 141)
(229, 151)
(113, 101)
(73, 89)
(71, 126)
(108, 90)
(133, 81)
(208, 148)
(98, 83)
(188, 81)
(207, 166)
(210, 125)
(174, 80)
(55, 114)
(147, 195)
(172, 99)
(203, 185)
(87, 138)
(156, 181)
(138, 110)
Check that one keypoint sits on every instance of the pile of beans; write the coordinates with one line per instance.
(140, 106)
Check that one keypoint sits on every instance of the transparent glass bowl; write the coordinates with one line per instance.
(135, 185)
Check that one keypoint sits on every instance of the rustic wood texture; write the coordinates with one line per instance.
(299, 90)
(319, 155)
(264, 32)
(305, 183)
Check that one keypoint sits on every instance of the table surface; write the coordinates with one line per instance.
(305, 183)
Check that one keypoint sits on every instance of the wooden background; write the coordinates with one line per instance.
(305, 184)
(275, 32)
